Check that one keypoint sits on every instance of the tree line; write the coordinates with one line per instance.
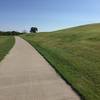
(8, 33)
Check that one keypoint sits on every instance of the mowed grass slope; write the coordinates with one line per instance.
(75, 54)
(6, 43)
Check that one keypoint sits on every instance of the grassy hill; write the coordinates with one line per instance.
(6, 43)
(75, 54)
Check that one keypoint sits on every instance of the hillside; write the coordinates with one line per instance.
(75, 54)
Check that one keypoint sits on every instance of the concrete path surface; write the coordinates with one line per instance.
(25, 75)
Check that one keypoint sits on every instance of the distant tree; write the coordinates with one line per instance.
(34, 29)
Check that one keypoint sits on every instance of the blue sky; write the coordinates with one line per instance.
(47, 15)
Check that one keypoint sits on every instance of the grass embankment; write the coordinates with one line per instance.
(6, 43)
(75, 54)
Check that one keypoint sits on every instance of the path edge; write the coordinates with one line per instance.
(68, 83)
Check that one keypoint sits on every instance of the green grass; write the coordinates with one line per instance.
(75, 54)
(6, 43)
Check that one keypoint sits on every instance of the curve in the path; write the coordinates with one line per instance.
(25, 75)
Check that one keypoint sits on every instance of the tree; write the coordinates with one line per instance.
(34, 29)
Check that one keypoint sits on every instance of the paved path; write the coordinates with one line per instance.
(25, 75)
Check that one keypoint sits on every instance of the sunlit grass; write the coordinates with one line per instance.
(6, 43)
(75, 54)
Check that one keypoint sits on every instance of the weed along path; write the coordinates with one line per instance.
(26, 75)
